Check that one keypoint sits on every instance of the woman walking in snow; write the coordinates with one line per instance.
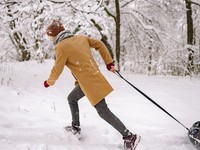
(74, 52)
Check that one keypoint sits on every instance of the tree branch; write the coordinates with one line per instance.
(127, 3)
(195, 3)
(56, 2)
(104, 38)
(100, 4)
(109, 13)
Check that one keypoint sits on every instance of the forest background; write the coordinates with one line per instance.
(150, 37)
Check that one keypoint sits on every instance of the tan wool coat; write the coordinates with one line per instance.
(75, 53)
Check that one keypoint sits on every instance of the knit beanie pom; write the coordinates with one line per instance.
(55, 28)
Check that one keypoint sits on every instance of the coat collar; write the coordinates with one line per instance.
(62, 35)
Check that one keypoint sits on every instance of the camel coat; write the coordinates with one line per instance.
(74, 52)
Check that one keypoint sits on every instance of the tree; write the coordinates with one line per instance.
(104, 38)
(144, 36)
(190, 35)
(117, 21)
(16, 36)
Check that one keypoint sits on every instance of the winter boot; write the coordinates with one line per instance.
(131, 141)
(75, 130)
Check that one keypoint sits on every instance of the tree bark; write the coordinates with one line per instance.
(104, 38)
(117, 5)
(117, 30)
(190, 37)
(17, 38)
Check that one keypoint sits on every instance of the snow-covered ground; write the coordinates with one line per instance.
(32, 117)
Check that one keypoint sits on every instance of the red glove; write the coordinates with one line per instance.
(109, 66)
(46, 84)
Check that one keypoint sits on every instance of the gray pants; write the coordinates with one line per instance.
(102, 109)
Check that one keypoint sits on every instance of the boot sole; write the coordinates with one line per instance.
(136, 142)
(76, 134)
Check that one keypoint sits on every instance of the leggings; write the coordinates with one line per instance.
(102, 109)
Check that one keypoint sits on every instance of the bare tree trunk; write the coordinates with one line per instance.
(150, 61)
(190, 37)
(117, 32)
(17, 37)
(117, 29)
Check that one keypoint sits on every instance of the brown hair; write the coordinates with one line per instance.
(55, 28)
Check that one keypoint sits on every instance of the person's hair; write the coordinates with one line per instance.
(55, 28)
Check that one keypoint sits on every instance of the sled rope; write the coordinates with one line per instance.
(151, 100)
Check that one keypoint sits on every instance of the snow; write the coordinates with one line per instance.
(32, 117)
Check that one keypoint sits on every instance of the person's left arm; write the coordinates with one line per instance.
(100, 46)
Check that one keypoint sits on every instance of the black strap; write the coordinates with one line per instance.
(151, 100)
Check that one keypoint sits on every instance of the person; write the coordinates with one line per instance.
(74, 51)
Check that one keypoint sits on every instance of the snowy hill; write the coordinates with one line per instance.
(32, 117)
